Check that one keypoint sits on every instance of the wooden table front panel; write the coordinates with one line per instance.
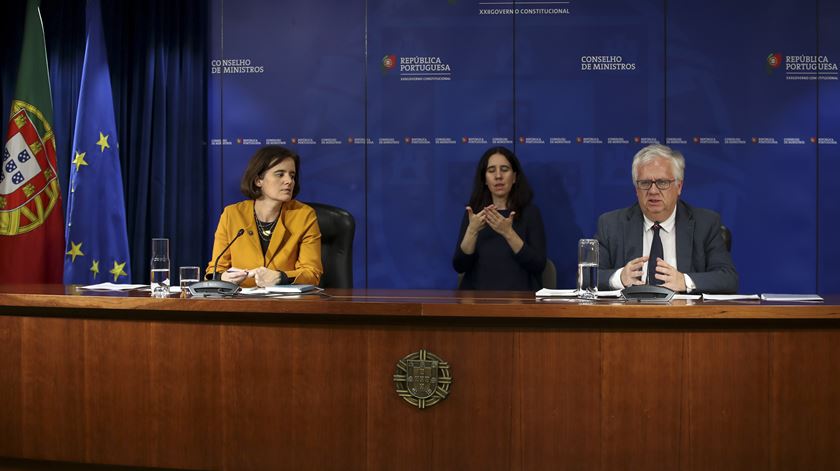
(11, 393)
(804, 408)
(726, 401)
(320, 395)
(558, 390)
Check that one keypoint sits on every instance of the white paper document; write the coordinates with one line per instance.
(790, 297)
(729, 297)
(687, 297)
(572, 293)
(147, 288)
(565, 293)
(112, 287)
(282, 290)
(291, 288)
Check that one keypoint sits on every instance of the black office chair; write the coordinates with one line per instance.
(549, 276)
(726, 235)
(338, 228)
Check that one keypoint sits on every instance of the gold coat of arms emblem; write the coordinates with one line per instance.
(422, 379)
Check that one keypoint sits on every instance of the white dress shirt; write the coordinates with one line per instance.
(668, 236)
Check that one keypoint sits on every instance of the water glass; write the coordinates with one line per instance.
(188, 276)
(160, 268)
(587, 275)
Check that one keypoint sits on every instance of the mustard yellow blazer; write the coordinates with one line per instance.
(295, 246)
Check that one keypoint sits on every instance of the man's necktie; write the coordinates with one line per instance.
(655, 252)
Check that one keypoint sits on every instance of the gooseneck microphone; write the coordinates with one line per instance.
(216, 275)
(216, 287)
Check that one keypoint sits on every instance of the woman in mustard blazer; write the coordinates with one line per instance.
(281, 242)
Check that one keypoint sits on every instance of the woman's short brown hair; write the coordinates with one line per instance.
(260, 162)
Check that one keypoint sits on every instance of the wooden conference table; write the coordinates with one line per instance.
(308, 383)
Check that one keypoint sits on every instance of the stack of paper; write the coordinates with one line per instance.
(729, 297)
(565, 293)
(790, 297)
(281, 290)
(113, 287)
(686, 297)
(572, 293)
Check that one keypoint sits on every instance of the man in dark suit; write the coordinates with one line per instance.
(680, 244)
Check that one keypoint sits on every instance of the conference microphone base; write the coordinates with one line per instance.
(214, 289)
(647, 294)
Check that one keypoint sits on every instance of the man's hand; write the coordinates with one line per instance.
(631, 274)
(673, 279)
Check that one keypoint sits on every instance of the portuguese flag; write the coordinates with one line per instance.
(31, 222)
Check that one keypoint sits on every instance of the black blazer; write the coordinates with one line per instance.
(701, 253)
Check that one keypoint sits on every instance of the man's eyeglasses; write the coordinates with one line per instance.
(661, 183)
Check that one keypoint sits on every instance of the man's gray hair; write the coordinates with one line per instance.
(658, 150)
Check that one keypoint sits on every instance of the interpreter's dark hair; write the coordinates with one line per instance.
(260, 162)
(520, 193)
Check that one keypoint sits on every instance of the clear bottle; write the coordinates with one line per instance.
(160, 268)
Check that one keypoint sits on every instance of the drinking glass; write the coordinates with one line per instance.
(587, 275)
(188, 276)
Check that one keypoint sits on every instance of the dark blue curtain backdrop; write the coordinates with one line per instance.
(575, 88)
(157, 53)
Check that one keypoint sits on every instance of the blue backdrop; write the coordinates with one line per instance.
(390, 104)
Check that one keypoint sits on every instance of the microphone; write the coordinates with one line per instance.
(216, 287)
(216, 275)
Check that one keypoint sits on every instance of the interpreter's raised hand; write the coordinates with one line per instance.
(631, 274)
(673, 279)
(265, 276)
(497, 222)
(235, 275)
(477, 221)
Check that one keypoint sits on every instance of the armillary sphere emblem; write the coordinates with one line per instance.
(422, 379)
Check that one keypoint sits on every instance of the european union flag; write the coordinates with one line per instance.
(97, 243)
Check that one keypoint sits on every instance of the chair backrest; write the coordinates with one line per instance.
(726, 235)
(549, 275)
(338, 228)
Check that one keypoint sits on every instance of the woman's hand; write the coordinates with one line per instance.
(265, 276)
(504, 227)
(497, 222)
(477, 221)
(235, 275)
(476, 224)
